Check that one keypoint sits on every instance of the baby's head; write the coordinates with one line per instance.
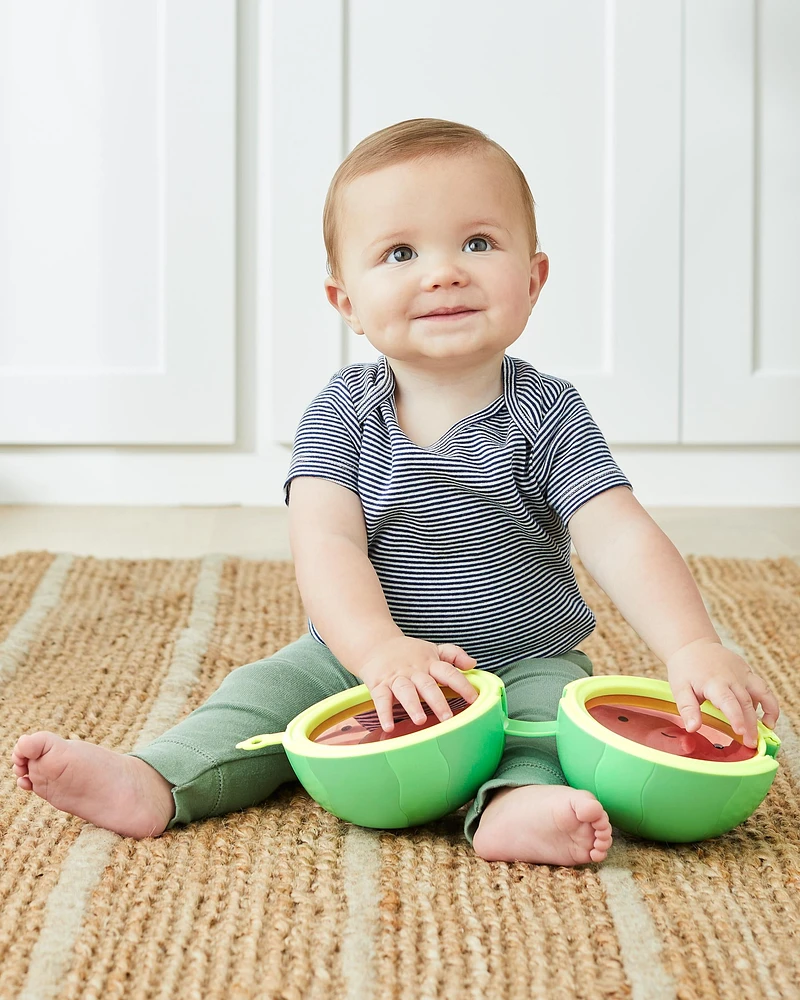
(428, 214)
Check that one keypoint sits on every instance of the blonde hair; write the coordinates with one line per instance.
(415, 139)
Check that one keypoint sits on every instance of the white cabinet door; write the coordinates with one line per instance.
(586, 96)
(117, 251)
(742, 294)
(305, 121)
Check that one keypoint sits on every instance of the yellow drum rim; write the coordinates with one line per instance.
(298, 736)
(577, 693)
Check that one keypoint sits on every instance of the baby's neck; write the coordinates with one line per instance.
(428, 403)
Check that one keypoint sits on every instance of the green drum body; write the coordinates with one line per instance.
(648, 792)
(392, 781)
(403, 781)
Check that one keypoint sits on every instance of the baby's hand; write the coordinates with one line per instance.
(707, 670)
(405, 668)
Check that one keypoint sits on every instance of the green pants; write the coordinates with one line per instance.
(211, 777)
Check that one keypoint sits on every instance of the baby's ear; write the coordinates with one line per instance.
(333, 292)
(540, 269)
(339, 299)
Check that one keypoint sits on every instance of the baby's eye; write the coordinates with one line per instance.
(477, 238)
(394, 251)
(480, 239)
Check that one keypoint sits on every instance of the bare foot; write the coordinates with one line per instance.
(544, 825)
(112, 790)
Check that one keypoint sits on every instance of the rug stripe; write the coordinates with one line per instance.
(14, 649)
(361, 862)
(66, 906)
(189, 651)
(639, 940)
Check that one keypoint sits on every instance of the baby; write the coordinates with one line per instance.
(432, 498)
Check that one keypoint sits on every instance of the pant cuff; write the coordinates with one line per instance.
(515, 776)
(195, 776)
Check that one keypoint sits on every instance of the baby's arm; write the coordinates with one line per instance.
(340, 589)
(344, 599)
(643, 573)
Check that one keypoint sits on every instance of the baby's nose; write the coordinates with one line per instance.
(445, 274)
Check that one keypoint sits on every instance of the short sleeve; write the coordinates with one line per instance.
(326, 443)
(577, 460)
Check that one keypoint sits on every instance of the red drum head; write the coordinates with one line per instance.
(360, 724)
(658, 725)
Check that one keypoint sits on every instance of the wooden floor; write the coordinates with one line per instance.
(261, 532)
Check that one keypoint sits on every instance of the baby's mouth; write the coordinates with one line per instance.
(449, 316)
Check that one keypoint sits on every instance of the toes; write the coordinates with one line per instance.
(30, 746)
(34, 745)
(587, 808)
(25, 784)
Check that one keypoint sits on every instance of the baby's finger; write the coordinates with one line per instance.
(750, 722)
(459, 657)
(383, 700)
(738, 708)
(688, 706)
(433, 694)
(456, 680)
(406, 693)
(760, 693)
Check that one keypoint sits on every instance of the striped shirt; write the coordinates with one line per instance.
(468, 536)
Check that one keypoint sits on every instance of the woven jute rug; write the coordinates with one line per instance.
(284, 900)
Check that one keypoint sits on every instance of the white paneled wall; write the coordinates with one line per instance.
(741, 366)
(117, 321)
(162, 315)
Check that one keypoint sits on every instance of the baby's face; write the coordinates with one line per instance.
(416, 237)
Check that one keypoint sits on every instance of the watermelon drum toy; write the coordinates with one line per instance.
(619, 737)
